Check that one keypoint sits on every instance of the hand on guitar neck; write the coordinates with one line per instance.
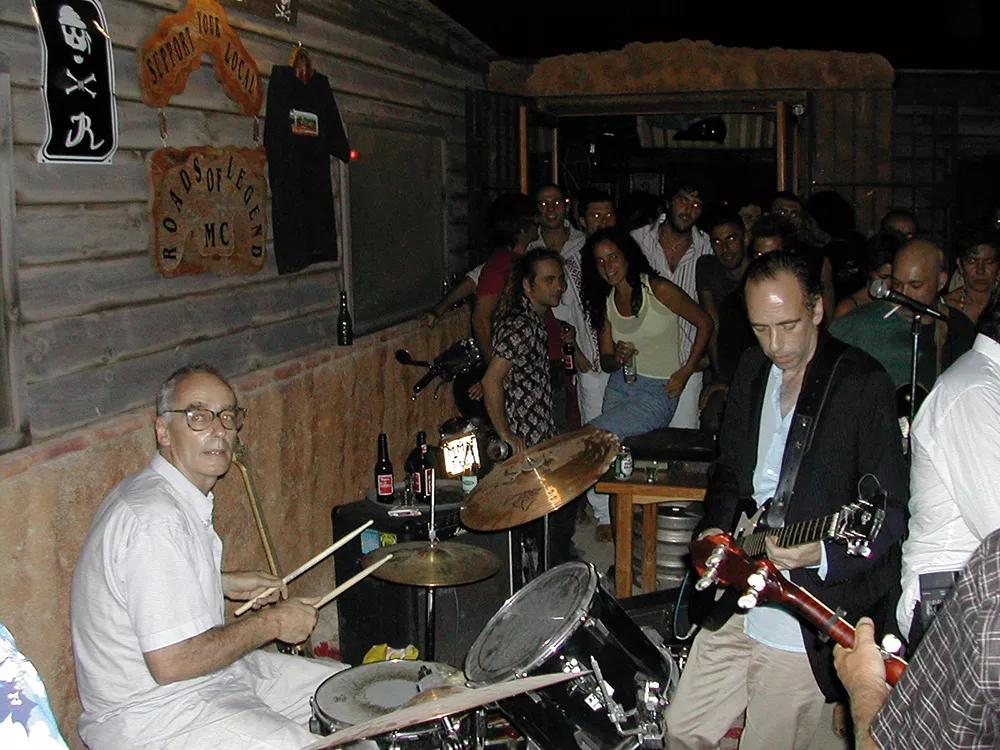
(785, 558)
(862, 671)
(720, 562)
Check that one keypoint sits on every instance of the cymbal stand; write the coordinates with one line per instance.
(432, 536)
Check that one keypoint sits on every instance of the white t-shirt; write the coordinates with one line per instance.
(955, 471)
(149, 576)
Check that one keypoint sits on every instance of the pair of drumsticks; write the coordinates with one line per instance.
(315, 561)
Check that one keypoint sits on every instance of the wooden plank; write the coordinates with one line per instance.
(823, 122)
(843, 138)
(59, 347)
(865, 154)
(51, 233)
(98, 285)
(83, 397)
(124, 180)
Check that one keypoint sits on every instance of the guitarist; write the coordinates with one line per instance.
(806, 418)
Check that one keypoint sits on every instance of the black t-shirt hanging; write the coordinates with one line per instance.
(302, 129)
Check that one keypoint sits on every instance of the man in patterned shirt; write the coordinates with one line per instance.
(517, 386)
(949, 695)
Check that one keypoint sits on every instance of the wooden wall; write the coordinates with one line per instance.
(847, 148)
(98, 327)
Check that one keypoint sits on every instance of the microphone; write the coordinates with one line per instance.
(880, 290)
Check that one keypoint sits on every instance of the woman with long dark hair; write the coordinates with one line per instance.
(637, 314)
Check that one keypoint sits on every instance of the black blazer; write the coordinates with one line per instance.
(857, 433)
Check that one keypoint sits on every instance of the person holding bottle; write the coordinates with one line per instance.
(638, 315)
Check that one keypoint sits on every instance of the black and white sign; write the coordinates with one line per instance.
(78, 82)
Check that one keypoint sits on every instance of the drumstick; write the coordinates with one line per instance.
(351, 581)
(306, 566)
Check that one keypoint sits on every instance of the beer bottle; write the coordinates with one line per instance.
(568, 350)
(345, 328)
(383, 471)
(420, 472)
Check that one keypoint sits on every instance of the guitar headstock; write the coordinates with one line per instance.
(858, 523)
(719, 561)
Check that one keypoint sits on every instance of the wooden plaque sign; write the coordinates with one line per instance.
(208, 208)
(169, 55)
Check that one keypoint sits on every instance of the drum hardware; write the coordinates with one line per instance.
(433, 564)
(650, 703)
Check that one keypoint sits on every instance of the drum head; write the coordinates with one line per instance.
(372, 690)
(533, 624)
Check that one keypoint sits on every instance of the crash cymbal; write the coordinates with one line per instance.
(423, 711)
(439, 564)
(540, 480)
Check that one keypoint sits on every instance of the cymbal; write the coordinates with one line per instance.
(540, 480)
(459, 701)
(440, 564)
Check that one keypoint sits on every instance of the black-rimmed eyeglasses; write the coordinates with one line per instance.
(200, 418)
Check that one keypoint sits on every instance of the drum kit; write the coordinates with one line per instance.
(563, 661)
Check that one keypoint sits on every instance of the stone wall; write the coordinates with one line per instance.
(310, 437)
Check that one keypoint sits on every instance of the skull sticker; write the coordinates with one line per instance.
(74, 31)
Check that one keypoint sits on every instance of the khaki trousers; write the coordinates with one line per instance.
(728, 672)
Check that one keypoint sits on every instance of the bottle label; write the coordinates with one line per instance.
(384, 485)
(416, 484)
(428, 480)
(469, 482)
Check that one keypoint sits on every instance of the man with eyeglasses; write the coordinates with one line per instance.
(157, 665)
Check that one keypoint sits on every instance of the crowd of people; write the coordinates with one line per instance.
(750, 323)
(756, 323)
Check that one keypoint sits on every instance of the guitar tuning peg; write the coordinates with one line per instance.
(709, 577)
(891, 644)
(748, 600)
(757, 581)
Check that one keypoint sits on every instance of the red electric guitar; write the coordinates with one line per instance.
(719, 561)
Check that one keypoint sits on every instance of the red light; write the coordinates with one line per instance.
(354, 154)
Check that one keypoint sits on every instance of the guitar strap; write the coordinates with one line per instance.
(807, 410)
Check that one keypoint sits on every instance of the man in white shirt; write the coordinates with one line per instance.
(157, 665)
(673, 244)
(955, 472)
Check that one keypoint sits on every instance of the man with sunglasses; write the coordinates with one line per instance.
(157, 665)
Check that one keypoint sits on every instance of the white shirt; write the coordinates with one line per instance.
(571, 307)
(149, 576)
(955, 471)
(683, 276)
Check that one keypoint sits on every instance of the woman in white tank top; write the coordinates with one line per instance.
(637, 314)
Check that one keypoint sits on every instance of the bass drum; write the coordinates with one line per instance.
(372, 690)
(565, 620)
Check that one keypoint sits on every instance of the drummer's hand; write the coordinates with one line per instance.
(294, 618)
(244, 585)
(517, 445)
(476, 391)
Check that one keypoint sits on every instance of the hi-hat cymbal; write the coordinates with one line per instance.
(540, 480)
(439, 564)
(421, 712)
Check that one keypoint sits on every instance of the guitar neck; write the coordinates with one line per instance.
(828, 621)
(804, 532)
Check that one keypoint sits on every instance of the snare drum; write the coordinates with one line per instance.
(565, 620)
(372, 690)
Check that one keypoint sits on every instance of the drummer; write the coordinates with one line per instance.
(157, 666)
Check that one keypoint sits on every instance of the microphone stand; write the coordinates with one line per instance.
(915, 334)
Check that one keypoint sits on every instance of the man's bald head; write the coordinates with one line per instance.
(918, 270)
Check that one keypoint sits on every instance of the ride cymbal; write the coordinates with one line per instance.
(439, 564)
(540, 480)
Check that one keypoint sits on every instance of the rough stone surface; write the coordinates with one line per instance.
(310, 433)
(686, 65)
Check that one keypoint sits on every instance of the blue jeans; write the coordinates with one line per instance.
(635, 408)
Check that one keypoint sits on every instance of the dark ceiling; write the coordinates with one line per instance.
(955, 35)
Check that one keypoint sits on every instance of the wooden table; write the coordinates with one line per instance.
(670, 486)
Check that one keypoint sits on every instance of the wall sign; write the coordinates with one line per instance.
(78, 82)
(170, 54)
(209, 210)
(282, 11)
